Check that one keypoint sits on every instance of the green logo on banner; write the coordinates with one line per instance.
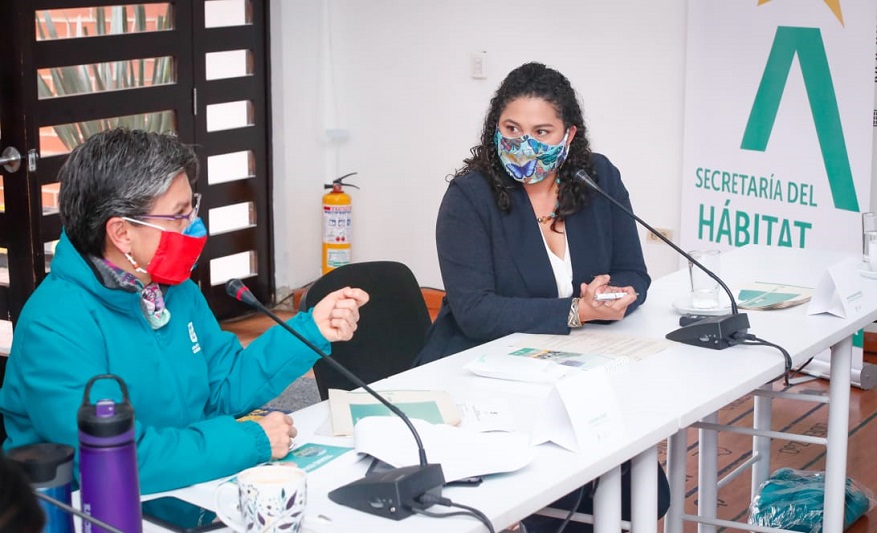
(808, 45)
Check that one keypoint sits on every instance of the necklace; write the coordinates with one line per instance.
(546, 218)
(550, 216)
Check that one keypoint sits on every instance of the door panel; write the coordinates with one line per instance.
(21, 187)
(232, 135)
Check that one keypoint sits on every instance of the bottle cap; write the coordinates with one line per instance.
(106, 417)
(45, 463)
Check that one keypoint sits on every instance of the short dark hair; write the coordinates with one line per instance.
(528, 81)
(117, 172)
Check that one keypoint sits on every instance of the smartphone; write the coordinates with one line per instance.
(609, 296)
(180, 516)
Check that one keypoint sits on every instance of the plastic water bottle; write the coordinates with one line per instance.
(110, 486)
(49, 468)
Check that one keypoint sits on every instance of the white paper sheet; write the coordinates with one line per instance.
(462, 453)
(487, 416)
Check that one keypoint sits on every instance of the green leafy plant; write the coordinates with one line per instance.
(101, 77)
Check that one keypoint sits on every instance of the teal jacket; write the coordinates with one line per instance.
(187, 380)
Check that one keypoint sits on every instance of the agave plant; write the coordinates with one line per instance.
(118, 75)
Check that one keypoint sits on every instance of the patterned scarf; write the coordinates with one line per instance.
(151, 298)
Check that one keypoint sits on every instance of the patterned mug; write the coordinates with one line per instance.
(270, 499)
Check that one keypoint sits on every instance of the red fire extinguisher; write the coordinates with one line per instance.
(336, 224)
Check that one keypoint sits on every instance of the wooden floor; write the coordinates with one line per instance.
(798, 417)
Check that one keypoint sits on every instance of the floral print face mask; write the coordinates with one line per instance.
(528, 160)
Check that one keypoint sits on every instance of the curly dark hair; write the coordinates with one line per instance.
(528, 81)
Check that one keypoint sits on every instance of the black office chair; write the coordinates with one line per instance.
(392, 325)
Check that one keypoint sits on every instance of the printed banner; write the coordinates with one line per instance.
(779, 118)
(779, 99)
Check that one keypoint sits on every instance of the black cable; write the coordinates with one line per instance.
(429, 499)
(477, 514)
(761, 342)
(800, 368)
(573, 509)
(482, 518)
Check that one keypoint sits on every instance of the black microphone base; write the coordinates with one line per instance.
(391, 494)
(716, 332)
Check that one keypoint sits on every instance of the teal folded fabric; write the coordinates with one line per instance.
(793, 499)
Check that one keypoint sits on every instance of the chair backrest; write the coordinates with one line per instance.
(392, 325)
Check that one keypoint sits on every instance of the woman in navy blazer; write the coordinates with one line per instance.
(525, 246)
(496, 226)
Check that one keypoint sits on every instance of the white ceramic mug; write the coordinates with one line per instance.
(269, 499)
(704, 289)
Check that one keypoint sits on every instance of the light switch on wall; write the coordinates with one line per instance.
(478, 66)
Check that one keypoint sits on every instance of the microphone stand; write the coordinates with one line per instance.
(390, 494)
(716, 332)
(76, 512)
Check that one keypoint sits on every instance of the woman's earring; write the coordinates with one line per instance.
(134, 262)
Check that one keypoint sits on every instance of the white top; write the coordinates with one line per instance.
(562, 267)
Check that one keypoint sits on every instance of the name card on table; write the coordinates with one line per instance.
(839, 291)
(581, 413)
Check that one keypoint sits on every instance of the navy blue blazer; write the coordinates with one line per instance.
(497, 275)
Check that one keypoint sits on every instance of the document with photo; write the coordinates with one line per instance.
(547, 358)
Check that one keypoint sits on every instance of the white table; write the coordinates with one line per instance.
(716, 378)
(653, 405)
(505, 498)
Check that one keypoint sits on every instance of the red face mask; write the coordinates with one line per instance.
(177, 253)
(175, 257)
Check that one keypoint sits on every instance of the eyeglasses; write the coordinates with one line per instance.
(188, 217)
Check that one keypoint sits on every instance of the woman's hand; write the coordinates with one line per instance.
(592, 309)
(336, 315)
(280, 431)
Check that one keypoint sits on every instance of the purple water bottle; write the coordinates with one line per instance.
(110, 487)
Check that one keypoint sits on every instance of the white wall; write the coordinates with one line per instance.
(404, 93)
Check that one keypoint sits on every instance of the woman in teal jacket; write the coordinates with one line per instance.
(118, 300)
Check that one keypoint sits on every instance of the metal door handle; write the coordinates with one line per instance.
(11, 159)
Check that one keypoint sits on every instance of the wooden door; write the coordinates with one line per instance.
(69, 68)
